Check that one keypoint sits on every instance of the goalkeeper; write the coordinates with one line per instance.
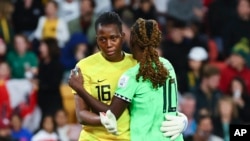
(148, 89)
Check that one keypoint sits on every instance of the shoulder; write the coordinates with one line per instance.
(129, 57)
(167, 64)
(42, 19)
(61, 21)
(132, 72)
(90, 59)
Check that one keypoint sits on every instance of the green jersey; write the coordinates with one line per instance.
(148, 105)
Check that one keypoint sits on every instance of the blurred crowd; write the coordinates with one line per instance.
(207, 41)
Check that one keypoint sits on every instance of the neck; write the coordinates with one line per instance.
(239, 68)
(119, 58)
(46, 60)
(245, 17)
(196, 73)
(52, 17)
(225, 119)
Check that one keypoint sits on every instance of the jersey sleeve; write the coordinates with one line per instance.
(126, 87)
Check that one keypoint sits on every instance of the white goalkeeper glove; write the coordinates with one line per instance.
(173, 126)
(108, 120)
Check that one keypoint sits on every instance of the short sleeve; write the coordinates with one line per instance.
(126, 87)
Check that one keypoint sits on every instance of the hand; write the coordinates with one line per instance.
(75, 79)
(108, 120)
(174, 125)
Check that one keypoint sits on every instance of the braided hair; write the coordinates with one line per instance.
(146, 35)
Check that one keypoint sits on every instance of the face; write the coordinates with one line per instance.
(213, 82)
(188, 107)
(194, 65)
(20, 44)
(61, 118)
(236, 61)
(225, 108)
(109, 40)
(2, 48)
(205, 127)
(119, 3)
(5, 71)
(16, 122)
(236, 86)
(50, 9)
(243, 8)
(43, 49)
(176, 35)
(145, 6)
(81, 48)
(86, 8)
(48, 124)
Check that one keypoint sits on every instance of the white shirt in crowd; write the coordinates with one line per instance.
(69, 10)
(42, 135)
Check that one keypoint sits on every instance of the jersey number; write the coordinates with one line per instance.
(104, 93)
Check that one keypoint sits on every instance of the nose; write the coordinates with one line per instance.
(109, 42)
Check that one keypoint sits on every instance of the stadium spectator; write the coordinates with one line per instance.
(68, 10)
(226, 115)
(86, 22)
(187, 106)
(3, 50)
(51, 26)
(204, 131)
(18, 132)
(236, 66)
(238, 27)
(207, 93)
(23, 63)
(197, 58)
(47, 131)
(5, 130)
(50, 76)
(241, 98)
(6, 28)
(25, 16)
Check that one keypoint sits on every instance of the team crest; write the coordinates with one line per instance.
(123, 81)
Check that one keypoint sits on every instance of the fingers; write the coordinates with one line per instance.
(110, 115)
(174, 137)
(170, 117)
(171, 133)
(169, 123)
(167, 129)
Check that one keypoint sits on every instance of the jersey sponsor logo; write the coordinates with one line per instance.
(100, 80)
(123, 81)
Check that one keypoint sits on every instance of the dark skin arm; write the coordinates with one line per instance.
(84, 116)
(117, 105)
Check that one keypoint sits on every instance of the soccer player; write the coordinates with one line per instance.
(101, 72)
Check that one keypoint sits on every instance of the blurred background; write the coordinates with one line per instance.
(207, 41)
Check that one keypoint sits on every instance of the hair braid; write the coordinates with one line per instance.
(147, 36)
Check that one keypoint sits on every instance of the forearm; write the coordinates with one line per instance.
(88, 118)
(96, 105)
(117, 105)
(83, 113)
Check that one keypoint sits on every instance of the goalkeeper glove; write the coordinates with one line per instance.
(173, 126)
(108, 120)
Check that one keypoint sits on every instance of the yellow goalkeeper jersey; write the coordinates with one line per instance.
(100, 80)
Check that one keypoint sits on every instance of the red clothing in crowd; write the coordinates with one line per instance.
(228, 73)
